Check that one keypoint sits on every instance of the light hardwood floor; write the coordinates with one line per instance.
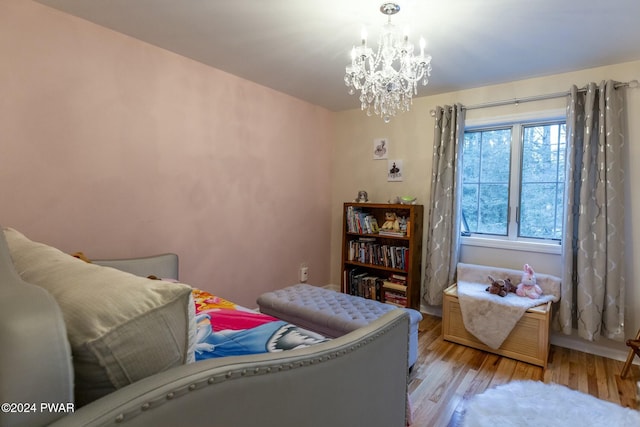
(447, 374)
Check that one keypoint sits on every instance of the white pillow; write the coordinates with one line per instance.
(121, 327)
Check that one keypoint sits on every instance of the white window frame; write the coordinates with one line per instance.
(511, 241)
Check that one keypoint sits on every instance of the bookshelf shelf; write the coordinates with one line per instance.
(378, 236)
(377, 266)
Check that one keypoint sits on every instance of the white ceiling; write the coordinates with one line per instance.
(301, 47)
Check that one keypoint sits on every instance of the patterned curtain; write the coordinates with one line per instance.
(593, 281)
(443, 236)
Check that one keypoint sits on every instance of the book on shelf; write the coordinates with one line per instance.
(354, 220)
(398, 278)
(355, 278)
(361, 222)
(366, 221)
(364, 285)
(369, 288)
(375, 228)
(391, 233)
(368, 251)
(387, 284)
(395, 298)
(349, 218)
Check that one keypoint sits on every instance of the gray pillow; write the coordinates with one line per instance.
(121, 327)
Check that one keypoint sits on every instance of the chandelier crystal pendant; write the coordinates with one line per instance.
(388, 79)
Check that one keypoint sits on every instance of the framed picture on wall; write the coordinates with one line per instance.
(380, 148)
(394, 170)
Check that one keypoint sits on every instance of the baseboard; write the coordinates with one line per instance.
(604, 348)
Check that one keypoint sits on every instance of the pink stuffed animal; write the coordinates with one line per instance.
(528, 287)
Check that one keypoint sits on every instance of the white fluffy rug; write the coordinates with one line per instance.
(533, 403)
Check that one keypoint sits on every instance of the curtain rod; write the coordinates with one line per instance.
(631, 84)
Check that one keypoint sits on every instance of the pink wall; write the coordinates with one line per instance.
(117, 148)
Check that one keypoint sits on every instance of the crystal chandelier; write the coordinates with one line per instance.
(389, 78)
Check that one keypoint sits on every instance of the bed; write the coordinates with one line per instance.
(212, 377)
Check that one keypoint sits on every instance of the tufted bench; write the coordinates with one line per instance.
(331, 313)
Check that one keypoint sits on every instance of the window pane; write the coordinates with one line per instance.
(470, 206)
(538, 217)
(542, 181)
(471, 156)
(494, 202)
(496, 152)
(485, 180)
(541, 155)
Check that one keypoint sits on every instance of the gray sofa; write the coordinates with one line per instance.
(359, 379)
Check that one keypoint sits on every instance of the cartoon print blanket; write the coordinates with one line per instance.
(227, 329)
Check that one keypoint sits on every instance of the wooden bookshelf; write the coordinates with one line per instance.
(377, 266)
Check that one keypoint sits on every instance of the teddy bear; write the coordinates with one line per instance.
(391, 222)
(496, 287)
(509, 286)
(528, 286)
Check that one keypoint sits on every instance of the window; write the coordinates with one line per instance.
(513, 180)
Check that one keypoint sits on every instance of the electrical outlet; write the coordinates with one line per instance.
(304, 273)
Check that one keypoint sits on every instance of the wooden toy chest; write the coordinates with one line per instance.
(528, 341)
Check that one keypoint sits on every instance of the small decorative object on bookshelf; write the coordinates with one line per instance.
(383, 263)
(362, 197)
(404, 200)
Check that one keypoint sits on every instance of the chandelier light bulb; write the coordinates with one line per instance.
(387, 78)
